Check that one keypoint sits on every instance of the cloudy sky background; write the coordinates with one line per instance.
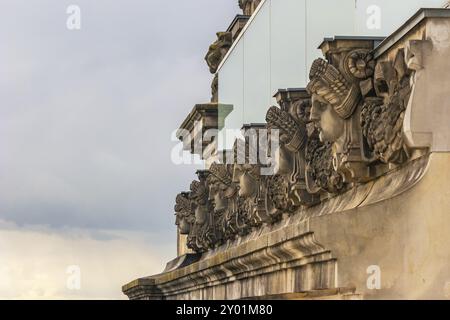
(86, 119)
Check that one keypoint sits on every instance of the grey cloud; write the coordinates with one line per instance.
(86, 116)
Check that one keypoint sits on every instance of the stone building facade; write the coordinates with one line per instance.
(358, 206)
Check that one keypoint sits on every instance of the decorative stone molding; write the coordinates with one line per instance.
(258, 262)
(237, 25)
(424, 42)
(346, 128)
(203, 117)
(363, 153)
(320, 174)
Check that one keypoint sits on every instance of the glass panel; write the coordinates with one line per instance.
(231, 91)
(327, 18)
(288, 50)
(257, 95)
(281, 43)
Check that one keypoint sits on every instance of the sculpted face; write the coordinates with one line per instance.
(327, 121)
(217, 196)
(200, 215)
(244, 175)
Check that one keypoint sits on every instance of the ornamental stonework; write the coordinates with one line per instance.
(360, 165)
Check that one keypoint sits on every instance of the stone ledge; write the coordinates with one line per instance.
(203, 117)
(253, 266)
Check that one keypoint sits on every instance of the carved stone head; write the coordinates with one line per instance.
(334, 100)
(336, 87)
(292, 137)
(287, 188)
(221, 187)
(223, 194)
(203, 235)
(246, 171)
(199, 196)
(185, 216)
(218, 50)
(251, 185)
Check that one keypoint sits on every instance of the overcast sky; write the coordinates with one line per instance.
(86, 118)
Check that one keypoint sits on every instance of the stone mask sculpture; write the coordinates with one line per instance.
(286, 190)
(251, 186)
(382, 116)
(223, 193)
(185, 217)
(204, 235)
(335, 88)
(214, 57)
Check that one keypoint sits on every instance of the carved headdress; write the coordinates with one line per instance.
(293, 133)
(328, 83)
(183, 208)
(220, 172)
(183, 204)
(198, 191)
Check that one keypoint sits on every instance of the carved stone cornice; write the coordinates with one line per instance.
(202, 118)
(237, 25)
(258, 259)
